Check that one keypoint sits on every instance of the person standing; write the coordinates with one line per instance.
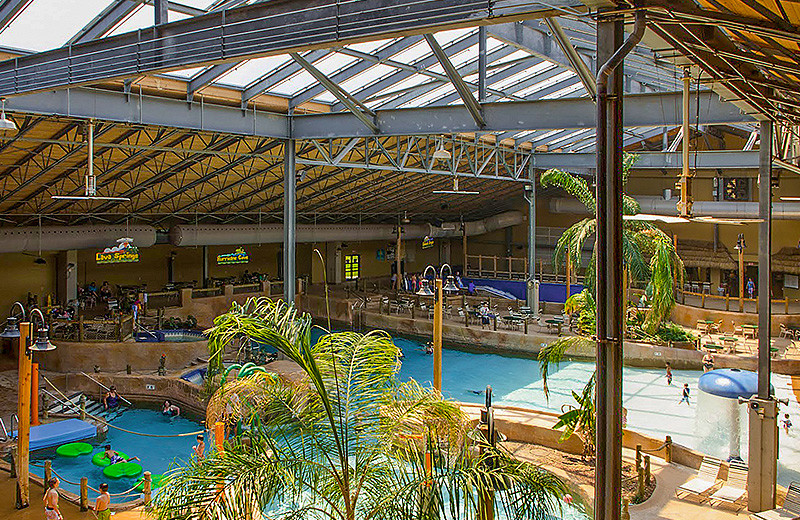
(685, 394)
(51, 511)
(101, 505)
(708, 362)
(199, 448)
(751, 288)
(669, 374)
(786, 423)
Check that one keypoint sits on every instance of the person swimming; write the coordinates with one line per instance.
(114, 457)
(170, 409)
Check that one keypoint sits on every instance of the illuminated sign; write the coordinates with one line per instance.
(427, 243)
(122, 253)
(237, 257)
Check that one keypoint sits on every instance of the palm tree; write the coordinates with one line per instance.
(649, 255)
(349, 442)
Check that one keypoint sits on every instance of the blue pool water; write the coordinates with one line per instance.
(652, 406)
(157, 454)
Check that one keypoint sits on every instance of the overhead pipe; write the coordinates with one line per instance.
(707, 208)
(64, 238)
(209, 234)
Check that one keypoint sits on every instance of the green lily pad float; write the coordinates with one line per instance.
(122, 469)
(100, 459)
(156, 481)
(74, 449)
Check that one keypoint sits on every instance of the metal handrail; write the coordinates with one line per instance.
(6, 436)
(104, 386)
(14, 417)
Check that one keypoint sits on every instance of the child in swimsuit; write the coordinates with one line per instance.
(101, 504)
(51, 511)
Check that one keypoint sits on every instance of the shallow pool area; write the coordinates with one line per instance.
(652, 405)
(157, 454)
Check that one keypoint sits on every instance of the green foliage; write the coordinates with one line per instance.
(580, 419)
(584, 306)
(347, 442)
(175, 323)
(649, 255)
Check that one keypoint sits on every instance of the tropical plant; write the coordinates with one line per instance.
(579, 419)
(347, 442)
(649, 255)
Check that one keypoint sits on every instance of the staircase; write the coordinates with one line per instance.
(72, 407)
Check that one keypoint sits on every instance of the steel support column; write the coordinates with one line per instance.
(763, 453)
(608, 469)
(482, 54)
(289, 221)
(532, 294)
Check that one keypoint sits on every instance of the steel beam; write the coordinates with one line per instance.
(251, 31)
(464, 92)
(646, 110)
(161, 8)
(207, 76)
(577, 63)
(356, 107)
(106, 105)
(764, 258)
(585, 161)
(105, 21)
(482, 62)
(9, 10)
(289, 221)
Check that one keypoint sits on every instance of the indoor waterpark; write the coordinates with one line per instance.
(399, 260)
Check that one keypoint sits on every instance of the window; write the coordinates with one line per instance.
(352, 267)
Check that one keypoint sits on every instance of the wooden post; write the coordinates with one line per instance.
(647, 474)
(668, 449)
(219, 436)
(638, 456)
(494, 264)
(48, 471)
(494, 322)
(786, 305)
(728, 301)
(45, 407)
(640, 481)
(34, 394)
(464, 245)
(84, 502)
(83, 408)
(566, 274)
(148, 487)
(24, 417)
(437, 338)
(525, 323)
(741, 280)
(14, 457)
(703, 301)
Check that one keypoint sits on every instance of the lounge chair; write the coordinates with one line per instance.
(700, 486)
(789, 510)
(733, 490)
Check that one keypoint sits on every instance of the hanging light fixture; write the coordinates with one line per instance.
(455, 190)
(425, 288)
(42, 343)
(450, 288)
(405, 219)
(90, 180)
(440, 154)
(6, 124)
(12, 323)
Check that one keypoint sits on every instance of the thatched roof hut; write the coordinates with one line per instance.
(700, 253)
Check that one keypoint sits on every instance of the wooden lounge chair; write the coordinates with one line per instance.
(733, 490)
(789, 510)
(700, 486)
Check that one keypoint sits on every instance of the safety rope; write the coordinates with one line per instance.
(124, 493)
(103, 421)
(666, 443)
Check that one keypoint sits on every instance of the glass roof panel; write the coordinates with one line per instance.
(366, 78)
(413, 53)
(513, 56)
(143, 16)
(411, 81)
(47, 24)
(566, 91)
(546, 83)
(185, 73)
(251, 70)
(370, 47)
(430, 97)
(294, 84)
(333, 63)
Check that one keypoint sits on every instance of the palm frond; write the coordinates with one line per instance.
(553, 353)
(572, 184)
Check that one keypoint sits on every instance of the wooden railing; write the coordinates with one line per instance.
(731, 303)
(92, 330)
(509, 267)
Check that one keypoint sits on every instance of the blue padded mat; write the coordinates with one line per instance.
(61, 432)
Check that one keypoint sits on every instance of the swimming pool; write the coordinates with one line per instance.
(652, 405)
(156, 454)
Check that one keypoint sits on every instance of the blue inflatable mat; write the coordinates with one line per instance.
(61, 432)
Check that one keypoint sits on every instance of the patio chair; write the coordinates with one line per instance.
(789, 510)
(737, 329)
(786, 333)
(733, 490)
(700, 486)
(716, 327)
